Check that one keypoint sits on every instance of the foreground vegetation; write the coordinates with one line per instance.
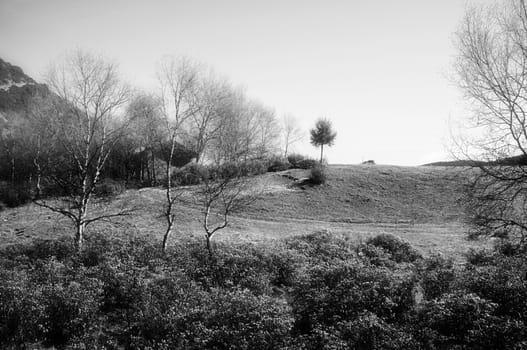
(311, 292)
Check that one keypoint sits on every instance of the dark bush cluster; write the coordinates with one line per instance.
(299, 161)
(318, 291)
(278, 164)
(317, 175)
(108, 188)
(13, 196)
(399, 250)
(194, 174)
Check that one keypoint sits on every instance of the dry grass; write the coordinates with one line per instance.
(419, 204)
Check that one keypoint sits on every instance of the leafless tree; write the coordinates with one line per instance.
(148, 128)
(178, 79)
(247, 130)
(224, 192)
(212, 97)
(491, 69)
(83, 119)
(291, 132)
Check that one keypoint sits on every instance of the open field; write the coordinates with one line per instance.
(419, 204)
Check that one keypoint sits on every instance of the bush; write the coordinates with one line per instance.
(190, 174)
(321, 246)
(184, 317)
(479, 257)
(376, 255)
(243, 266)
(341, 291)
(317, 176)
(227, 170)
(466, 321)
(368, 331)
(48, 305)
(400, 250)
(316, 291)
(278, 164)
(307, 163)
(508, 248)
(500, 283)
(60, 249)
(254, 167)
(109, 188)
(14, 196)
(294, 159)
(437, 276)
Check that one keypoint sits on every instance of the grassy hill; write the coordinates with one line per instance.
(419, 204)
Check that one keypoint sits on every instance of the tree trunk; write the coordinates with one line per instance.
(321, 152)
(168, 232)
(154, 177)
(209, 245)
(79, 235)
(13, 169)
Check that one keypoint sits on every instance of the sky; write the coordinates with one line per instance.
(379, 70)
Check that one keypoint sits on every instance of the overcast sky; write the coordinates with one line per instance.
(377, 69)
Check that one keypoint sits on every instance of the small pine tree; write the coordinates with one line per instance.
(322, 134)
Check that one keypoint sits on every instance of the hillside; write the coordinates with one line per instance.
(419, 204)
(17, 88)
(364, 194)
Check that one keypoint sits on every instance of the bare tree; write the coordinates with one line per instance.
(247, 130)
(224, 192)
(147, 126)
(491, 70)
(83, 119)
(267, 130)
(291, 132)
(178, 79)
(212, 96)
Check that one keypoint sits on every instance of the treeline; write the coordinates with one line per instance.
(317, 291)
(91, 125)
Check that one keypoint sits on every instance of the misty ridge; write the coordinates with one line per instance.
(189, 216)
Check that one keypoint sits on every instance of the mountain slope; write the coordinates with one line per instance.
(17, 88)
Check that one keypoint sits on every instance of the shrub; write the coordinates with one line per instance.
(254, 167)
(109, 188)
(48, 304)
(70, 311)
(307, 163)
(14, 196)
(43, 249)
(500, 283)
(183, 316)
(317, 176)
(479, 257)
(227, 170)
(467, 321)
(341, 291)
(321, 246)
(376, 255)
(400, 250)
(437, 276)
(243, 266)
(294, 159)
(190, 174)
(278, 164)
(508, 248)
(368, 331)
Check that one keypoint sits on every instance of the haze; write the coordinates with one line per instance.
(376, 69)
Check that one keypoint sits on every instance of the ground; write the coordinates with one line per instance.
(419, 204)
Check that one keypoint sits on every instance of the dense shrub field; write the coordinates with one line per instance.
(317, 291)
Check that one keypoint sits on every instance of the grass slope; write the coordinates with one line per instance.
(419, 204)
